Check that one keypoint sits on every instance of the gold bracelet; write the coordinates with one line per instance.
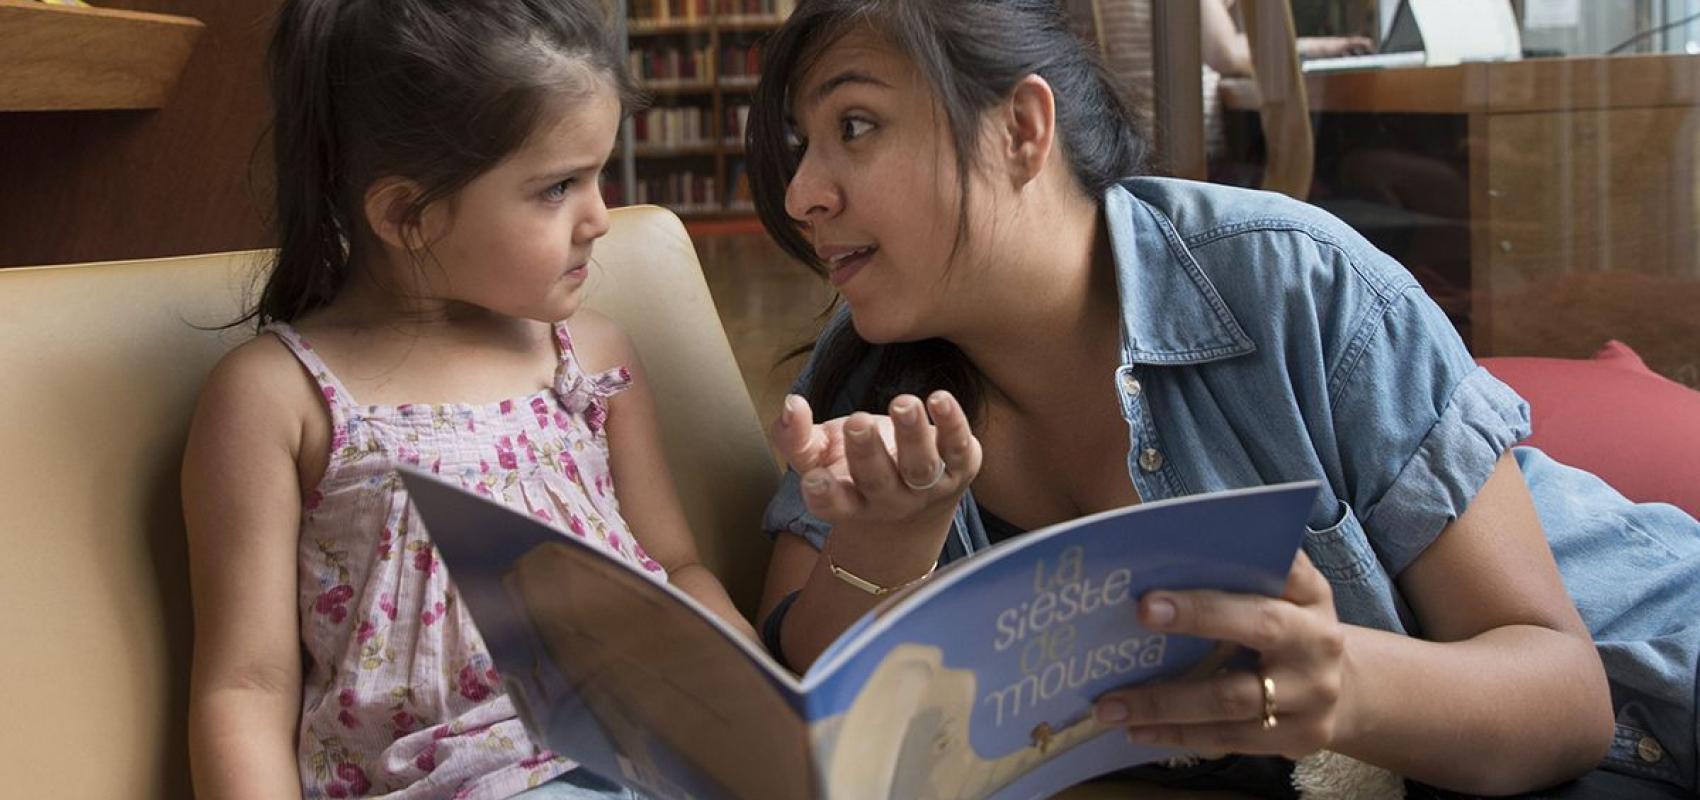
(869, 586)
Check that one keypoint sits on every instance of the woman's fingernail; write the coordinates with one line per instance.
(906, 412)
(1112, 711)
(856, 432)
(815, 483)
(939, 402)
(1160, 611)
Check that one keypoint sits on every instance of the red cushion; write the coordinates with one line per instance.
(1612, 416)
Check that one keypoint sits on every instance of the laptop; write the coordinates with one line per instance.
(1432, 33)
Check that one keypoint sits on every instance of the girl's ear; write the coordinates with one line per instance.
(1030, 125)
(387, 204)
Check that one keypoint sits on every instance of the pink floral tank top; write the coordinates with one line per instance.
(401, 699)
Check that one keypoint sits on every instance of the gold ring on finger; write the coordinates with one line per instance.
(1268, 686)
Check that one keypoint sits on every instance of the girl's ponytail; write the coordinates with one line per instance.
(313, 214)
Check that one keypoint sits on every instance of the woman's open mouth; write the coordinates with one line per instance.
(844, 266)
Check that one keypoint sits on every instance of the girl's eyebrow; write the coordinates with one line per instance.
(554, 175)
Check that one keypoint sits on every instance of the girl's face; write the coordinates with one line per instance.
(876, 188)
(517, 239)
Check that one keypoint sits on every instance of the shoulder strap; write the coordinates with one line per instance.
(336, 396)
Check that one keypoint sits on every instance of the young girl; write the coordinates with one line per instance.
(437, 170)
(1082, 340)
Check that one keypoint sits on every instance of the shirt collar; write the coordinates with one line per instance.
(1171, 314)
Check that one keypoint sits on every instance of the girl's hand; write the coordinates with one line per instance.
(1302, 647)
(881, 470)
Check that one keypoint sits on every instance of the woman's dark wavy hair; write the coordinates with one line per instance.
(972, 53)
(436, 91)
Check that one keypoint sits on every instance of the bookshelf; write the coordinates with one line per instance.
(698, 61)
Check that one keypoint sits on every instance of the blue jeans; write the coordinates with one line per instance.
(580, 784)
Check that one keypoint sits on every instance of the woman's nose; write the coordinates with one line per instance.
(812, 193)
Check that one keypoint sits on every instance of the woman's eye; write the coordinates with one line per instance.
(796, 144)
(853, 127)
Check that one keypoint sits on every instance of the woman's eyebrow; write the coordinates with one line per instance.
(842, 79)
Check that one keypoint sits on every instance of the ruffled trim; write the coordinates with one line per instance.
(584, 393)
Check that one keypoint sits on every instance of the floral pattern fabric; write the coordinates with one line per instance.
(401, 699)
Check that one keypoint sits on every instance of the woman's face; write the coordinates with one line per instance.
(876, 188)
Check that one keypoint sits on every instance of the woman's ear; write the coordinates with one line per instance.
(1030, 127)
(388, 203)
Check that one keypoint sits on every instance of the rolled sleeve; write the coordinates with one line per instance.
(1484, 419)
(1421, 427)
(787, 514)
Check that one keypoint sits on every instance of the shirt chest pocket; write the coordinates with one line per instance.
(1336, 544)
(1363, 592)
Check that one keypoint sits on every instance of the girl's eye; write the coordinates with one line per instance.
(853, 127)
(559, 190)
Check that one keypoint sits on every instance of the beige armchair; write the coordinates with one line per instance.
(100, 366)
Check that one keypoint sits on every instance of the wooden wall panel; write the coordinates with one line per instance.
(186, 178)
(1595, 234)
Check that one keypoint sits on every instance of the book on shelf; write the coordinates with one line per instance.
(978, 682)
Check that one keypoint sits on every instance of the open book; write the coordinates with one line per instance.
(977, 683)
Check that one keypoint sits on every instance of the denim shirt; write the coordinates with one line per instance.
(1264, 341)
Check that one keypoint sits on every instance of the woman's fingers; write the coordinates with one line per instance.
(1306, 585)
(918, 462)
(886, 468)
(868, 456)
(1260, 623)
(1226, 697)
(955, 439)
(795, 435)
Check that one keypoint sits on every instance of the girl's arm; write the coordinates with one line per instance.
(242, 502)
(1505, 693)
(642, 482)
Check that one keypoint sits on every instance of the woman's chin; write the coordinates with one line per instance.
(875, 329)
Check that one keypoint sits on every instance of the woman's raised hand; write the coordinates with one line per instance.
(1291, 706)
(881, 470)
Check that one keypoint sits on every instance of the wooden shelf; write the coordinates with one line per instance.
(753, 22)
(643, 150)
(662, 27)
(672, 86)
(67, 58)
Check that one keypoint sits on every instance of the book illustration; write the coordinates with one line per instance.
(978, 683)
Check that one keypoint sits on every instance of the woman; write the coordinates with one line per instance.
(1085, 340)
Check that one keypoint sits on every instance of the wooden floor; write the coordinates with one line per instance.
(769, 305)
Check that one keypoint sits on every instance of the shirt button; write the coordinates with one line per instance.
(1130, 385)
(1150, 460)
(1649, 750)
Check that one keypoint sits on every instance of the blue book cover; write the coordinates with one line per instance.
(977, 683)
